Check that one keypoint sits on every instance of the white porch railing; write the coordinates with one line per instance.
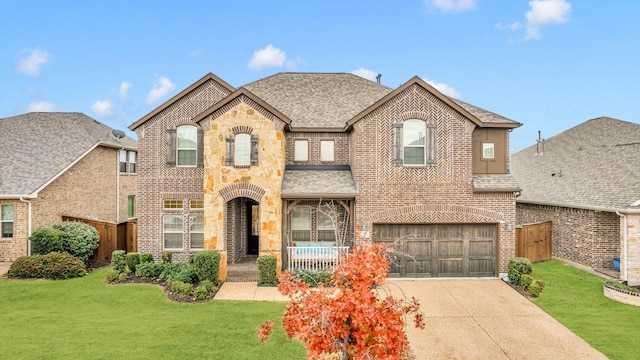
(315, 258)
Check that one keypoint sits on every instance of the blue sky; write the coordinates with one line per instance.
(549, 64)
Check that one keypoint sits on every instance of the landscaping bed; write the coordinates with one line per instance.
(164, 284)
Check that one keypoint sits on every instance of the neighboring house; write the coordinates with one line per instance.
(585, 180)
(61, 164)
(312, 158)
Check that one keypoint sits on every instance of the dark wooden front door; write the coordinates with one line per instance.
(440, 250)
(253, 239)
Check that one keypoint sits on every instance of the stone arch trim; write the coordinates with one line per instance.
(236, 190)
(436, 214)
(242, 130)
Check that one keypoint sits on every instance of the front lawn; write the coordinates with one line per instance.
(85, 318)
(574, 298)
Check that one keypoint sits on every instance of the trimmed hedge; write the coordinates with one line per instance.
(519, 266)
(314, 278)
(119, 260)
(149, 269)
(132, 259)
(145, 258)
(536, 287)
(80, 239)
(46, 240)
(55, 265)
(267, 274)
(207, 265)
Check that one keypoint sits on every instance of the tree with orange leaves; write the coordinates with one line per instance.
(349, 319)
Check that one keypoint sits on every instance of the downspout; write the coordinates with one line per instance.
(118, 185)
(624, 246)
(29, 227)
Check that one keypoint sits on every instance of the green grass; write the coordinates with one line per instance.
(87, 319)
(574, 298)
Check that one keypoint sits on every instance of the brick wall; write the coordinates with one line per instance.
(340, 151)
(588, 237)
(13, 248)
(432, 194)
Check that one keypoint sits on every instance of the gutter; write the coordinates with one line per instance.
(584, 207)
(29, 228)
(625, 241)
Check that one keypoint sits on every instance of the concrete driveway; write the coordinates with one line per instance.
(485, 319)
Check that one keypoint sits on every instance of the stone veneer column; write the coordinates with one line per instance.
(633, 249)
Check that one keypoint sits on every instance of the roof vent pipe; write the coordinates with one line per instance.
(378, 77)
(539, 144)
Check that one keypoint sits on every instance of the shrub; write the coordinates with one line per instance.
(132, 259)
(314, 278)
(536, 287)
(207, 265)
(80, 239)
(146, 258)
(200, 293)
(618, 285)
(60, 266)
(267, 274)
(46, 240)
(112, 275)
(118, 260)
(166, 257)
(519, 266)
(170, 270)
(123, 277)
(53, 265)
(180, 287)
(186, 275)
(149, 269)
(207, 285)
(526, 280)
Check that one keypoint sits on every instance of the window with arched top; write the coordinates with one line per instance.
(415, 143)
(187, 145)
(242, 155)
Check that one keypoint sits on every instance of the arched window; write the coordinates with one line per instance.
(242, 156)
(187, 144)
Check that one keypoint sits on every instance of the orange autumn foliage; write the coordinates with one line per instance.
(348, 320)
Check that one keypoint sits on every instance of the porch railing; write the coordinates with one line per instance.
(315, 258)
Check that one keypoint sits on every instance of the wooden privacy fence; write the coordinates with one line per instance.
(533, 241)
(122, 236)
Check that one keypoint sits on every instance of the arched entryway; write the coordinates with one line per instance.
(242, 233)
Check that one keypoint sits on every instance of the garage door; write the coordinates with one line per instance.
(440, 250)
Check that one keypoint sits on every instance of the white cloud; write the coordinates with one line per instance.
(30, 64)
(444, 88)
(124, 88)
(365, 73)
(451, 5)
(42, 106)
(268, 57)
(511, 27)
(162, 87)
(103, 108)
(546, 12)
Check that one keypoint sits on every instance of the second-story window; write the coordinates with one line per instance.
(132, 162)
(301, 150)
(242, 148)
(415, 143)
(123, 161)
(187, 141)
(327, 150)
(242, 155)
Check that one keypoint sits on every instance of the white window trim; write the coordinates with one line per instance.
(3, 221)
(164, 232)
(196, 232)
(300, 154)
(122, 161)
(423, 146)
(491, 147)
(178, 148)
(332, 147)
(242, 136)
(132, 162)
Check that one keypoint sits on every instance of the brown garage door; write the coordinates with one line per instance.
(440, 250)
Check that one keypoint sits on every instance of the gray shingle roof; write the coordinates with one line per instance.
(318, 184)
(484, 115)
(318, 100)
(36, 147)
(592, 165)
(494, 183)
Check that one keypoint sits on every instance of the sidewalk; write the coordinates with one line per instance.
(248, 291)
(4, 268)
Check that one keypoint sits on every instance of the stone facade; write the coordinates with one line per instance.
(633, 249)
(88, 189)
(587, 237)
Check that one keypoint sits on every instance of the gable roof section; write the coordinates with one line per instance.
(318, 100)
(478, 116)
(38, 147)
(593, 166)
(166, 104)
(238, 93)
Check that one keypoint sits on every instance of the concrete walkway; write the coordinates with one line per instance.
(4, 268)
(248, 291)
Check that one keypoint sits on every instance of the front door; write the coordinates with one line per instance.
(253, 228)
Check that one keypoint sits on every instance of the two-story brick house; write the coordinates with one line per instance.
(311, 157)
(55, 164)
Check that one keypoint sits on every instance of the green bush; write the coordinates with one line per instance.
(207, 265)
(186, 275)
(112, 275)
(118, 260)
(519, 266)
(80, 239)
(166, 257)
(207, 285)
(526, 280)
(46, 240)
(55, 265)
(146, 258)
(536, 287)
(149, 269)
(123, 277)
(170, 270)
(200, 292)
(267, 275)
(618, 285)
(180, 287)
(132, 259)
(314, 278)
